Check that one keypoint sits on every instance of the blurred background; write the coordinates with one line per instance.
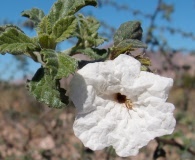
(30, 130)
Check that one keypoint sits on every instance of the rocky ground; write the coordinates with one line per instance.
(31, 131)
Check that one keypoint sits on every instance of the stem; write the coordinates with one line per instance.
(39, 58)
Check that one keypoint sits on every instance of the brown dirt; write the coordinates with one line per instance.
(31, 131)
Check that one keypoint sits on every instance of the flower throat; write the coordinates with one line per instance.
(123, 99)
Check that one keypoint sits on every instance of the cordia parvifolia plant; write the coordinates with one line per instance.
(59, 25)
(119, 101)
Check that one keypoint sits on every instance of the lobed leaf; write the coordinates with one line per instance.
(45, 89)
(89, 23)
(67, 65)
(63, 8)
(94, 42)
(44, 27)
(64, 28)
(59, 65)
(5, 27)
(46, 41)
(87, 32)
(94, 53)
(45, 86)
(34, 14)
(51, 61)
(14, 41)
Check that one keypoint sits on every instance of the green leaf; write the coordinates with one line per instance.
(59, 65)
(51, 61)
(129, 44)
(4, 28)
(45, 86)
(89, 23)
(94, 53)
(145, 62)
(128, 30)
(44, 27)
(46, 89)
(14, 41)
(34, 15)
(62, 8)
(46, 41)
(126, 45)
(87, 32)
(67, 65)
(64, 28)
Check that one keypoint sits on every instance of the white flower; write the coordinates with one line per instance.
(118, 105)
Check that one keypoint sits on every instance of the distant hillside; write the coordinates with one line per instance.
(178, 62)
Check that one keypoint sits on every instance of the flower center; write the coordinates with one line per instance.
(123, 99)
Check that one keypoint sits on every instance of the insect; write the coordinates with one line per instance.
(128, 104)
(123, 99)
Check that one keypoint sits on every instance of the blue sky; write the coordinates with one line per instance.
(182, 18)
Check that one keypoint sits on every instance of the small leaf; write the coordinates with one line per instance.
(125, 46)
(46, 41)
(45, 89)
(143, 60)
(128, 30)
(94, 53)
(14, 41)
(59, 65)
(7, 26)
(44, 27)
(87, 32)
(94, 42)
(62, 8)
(64, 28)
(130, 43)
(51, 61)
(34, 15)
(67, 65)
(45, 86)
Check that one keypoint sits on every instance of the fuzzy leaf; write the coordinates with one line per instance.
(128, 30)
(87, 32)
(59, 65)
(34, 15)
(62, 8)
(46, 41)
(130, 43)
(4, 28)
(46, 89)
(67, 65)
(64, 28)
(143, 60)
(94, 53)
(45, 86)
(45, 27)
(126, 46)
(51, 61)
(95, 41)
(14, 41)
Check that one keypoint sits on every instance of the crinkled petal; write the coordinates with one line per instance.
(103, 122)
(126, 130)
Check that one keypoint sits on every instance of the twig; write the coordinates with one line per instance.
(172, 142)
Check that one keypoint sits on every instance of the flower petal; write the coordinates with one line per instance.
(102, 121)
